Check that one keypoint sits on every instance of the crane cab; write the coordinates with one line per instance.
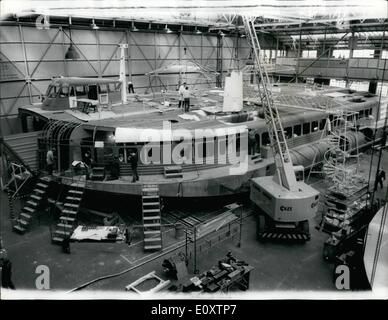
(284, 211)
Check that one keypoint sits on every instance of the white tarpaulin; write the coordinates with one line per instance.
(233, 92)
(99, 233)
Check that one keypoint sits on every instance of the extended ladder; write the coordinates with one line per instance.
(277, 137)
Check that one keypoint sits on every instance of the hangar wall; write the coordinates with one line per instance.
(30, 57)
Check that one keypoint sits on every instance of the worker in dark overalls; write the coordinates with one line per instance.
(66, 245)
(5, 268)
(115, 168)
(88, 163)
(133, 160)
(130, 87)
(128, 236)
(380, 177)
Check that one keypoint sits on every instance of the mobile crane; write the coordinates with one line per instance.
(287, 204)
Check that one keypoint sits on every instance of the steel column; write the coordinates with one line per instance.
(27, 74)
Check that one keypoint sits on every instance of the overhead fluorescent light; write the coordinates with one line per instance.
(167, 29)
(133, 28)
(71, 53)
(94, 26)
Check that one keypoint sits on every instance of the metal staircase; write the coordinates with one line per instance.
(33, 203)
(69, 213)
(151, 218)
(336, 167)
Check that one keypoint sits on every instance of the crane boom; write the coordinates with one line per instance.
(283, 163)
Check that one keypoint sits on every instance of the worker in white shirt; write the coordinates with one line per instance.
(186, 99)
(181, 90)
(50, 160)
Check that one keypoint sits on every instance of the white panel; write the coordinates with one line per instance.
(89, 51)
(148, 51)
(82, 69)
(208, 53)
(191, 40)
(9, 34)
(35, 51)
(113, 68)
(106, 52)
(229, 41)
(193, 53)
(11, 89)
(140, 81)
(12, 51)
(15, 70)
(42, 85)
(233, 92)
(362, 63)
(111, 37)
(168, 52)
(141, 67)
(47, 69)
(353, 63)
(7, 104)
(82, 36)
(168, 39)
(209, 41)
(372, 63)
(142, 38)
(44, 35)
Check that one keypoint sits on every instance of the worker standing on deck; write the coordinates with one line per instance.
(186, 99)
(50, 161)
(88, 163)
(181, 90)
(252, 142)
(380, 177)
(130, 87)
(133, 160)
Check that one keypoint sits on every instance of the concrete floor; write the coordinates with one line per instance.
(277, 266)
